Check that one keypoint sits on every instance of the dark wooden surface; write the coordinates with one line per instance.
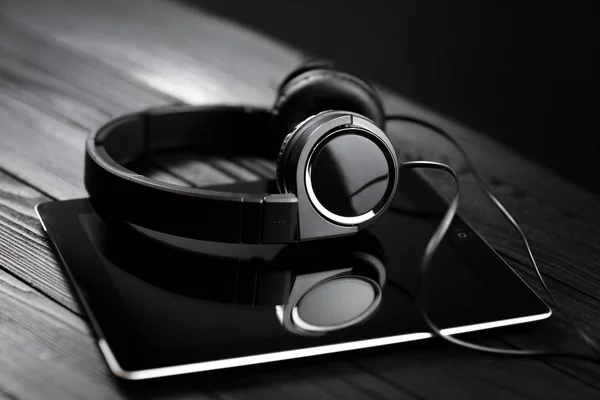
(68, 66)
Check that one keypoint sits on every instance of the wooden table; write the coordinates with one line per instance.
(68, 66)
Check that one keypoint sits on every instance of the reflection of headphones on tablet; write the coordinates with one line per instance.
(336, 170)
(311, 288)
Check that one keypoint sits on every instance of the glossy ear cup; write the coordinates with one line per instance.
(314, 90)
(343, 171)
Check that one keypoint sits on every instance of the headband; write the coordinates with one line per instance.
(120, 193)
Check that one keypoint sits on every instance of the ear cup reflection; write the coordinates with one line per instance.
(328, 305)
(337, 299)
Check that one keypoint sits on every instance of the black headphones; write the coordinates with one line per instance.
(336, 168)
(336, 172)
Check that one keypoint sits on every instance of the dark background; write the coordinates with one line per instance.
(522, 72)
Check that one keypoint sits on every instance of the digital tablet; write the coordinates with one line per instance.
(162, 305)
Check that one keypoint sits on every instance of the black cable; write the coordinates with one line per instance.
(441, 231)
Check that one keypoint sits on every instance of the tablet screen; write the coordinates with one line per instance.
(162, 305)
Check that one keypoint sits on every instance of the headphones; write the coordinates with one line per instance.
(336, 168)
(337, 172)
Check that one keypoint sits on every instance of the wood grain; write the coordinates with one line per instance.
(83, 96)
(40, 149)
(68, 86)
(474, 376)
(67, 83)
(47, 152)
(24, 248)
(165, 45)
(36, 333)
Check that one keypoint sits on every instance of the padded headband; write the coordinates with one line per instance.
(121, 194)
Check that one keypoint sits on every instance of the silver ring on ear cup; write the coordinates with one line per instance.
(359, 219)
(297, 155)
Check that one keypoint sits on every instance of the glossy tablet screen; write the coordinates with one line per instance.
(162, 305)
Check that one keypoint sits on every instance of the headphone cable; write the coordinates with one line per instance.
(441, 231)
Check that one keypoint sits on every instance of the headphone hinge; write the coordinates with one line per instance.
(279, 218)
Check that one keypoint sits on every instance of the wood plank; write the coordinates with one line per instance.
(40, 149)
(69, 87)
(264, 169)
(556, 335)
(34, 333)
(144, 40)
(491, 377)
(47, 152)
(67, 83)
(177, 52)
(193, 169)
(24, 249)
(311, 379)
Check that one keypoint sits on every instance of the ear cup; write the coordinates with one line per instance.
(316, 63)
(317, 90)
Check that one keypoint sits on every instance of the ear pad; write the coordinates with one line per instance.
(317, 90)
(316, 63)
